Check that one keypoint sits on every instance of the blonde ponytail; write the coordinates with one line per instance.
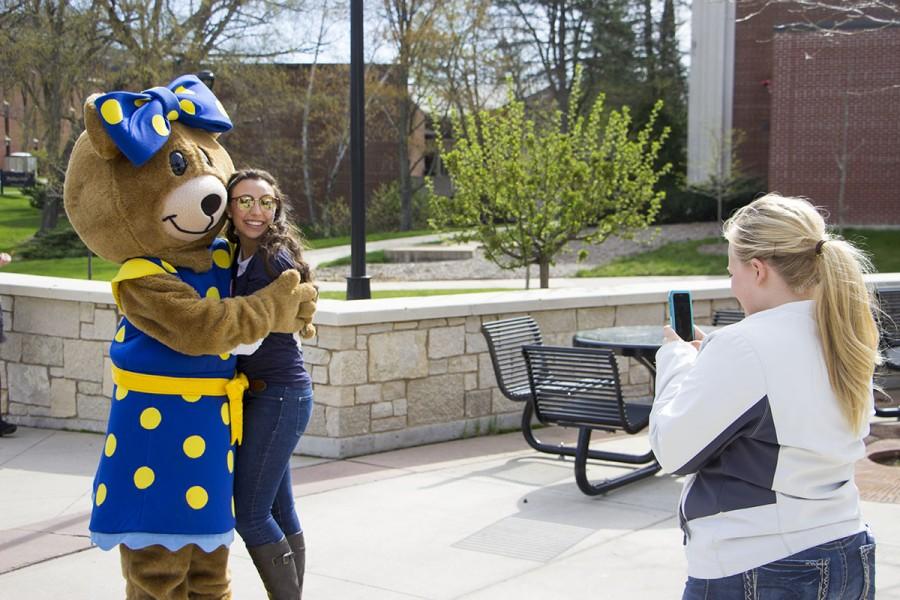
(789, 234)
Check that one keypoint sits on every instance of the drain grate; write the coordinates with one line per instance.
(526, 539)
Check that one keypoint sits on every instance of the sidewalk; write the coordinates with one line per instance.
(482, 518)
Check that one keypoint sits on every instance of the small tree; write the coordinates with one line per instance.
(524, 193)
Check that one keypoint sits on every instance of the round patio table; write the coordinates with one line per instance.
(636, 341)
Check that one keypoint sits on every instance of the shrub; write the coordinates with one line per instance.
(60, 242)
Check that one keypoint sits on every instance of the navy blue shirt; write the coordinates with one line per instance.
(279, 360)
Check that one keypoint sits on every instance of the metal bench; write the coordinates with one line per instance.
(888, 299)
(727, 317)
(505, 340)
(580, 387)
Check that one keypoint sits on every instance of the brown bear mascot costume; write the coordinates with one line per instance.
(145, 188)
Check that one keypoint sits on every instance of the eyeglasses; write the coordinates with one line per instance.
(267, 203)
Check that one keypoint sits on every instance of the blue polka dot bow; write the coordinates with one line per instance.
(140, 124)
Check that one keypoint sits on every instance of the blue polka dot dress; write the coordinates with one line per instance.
(166, 470)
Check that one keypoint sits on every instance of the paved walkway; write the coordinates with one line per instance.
(482, 518)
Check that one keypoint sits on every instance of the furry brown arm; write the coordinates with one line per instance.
(170, 311)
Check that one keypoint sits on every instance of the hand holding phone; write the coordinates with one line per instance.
(681, 314)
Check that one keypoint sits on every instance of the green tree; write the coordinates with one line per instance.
(524, 192)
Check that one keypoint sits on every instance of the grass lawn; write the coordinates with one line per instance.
(376, 256)
(411, 293)
(344, 240)
(682, 258)
(75, 268)
(18, 221)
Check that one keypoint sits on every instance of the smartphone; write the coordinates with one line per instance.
(681, 314)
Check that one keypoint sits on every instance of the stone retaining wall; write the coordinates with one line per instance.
(387, 373)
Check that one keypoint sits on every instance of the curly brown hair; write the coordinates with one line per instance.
(282, 234)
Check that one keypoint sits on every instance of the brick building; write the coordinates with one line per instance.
(819, 114)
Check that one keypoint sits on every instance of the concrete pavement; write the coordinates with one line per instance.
(481, 518)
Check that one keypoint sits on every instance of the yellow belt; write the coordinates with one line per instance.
(191, 386)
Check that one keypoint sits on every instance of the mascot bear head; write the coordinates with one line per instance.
(147, 176)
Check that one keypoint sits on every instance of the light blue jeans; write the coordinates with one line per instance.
(274, 421)
(842, 569)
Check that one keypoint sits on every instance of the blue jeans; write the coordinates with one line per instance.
(837, 570)
(274, 421)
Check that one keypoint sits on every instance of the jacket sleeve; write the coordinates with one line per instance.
(703, 399)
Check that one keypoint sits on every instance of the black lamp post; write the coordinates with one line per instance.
(358, 282)
(207, 77)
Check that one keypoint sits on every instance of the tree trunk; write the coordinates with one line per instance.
(405, 179)
(544, 262)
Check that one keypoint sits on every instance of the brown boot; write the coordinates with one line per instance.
(298, 545)
(275, 563)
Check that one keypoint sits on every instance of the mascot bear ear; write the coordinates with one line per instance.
(100, 140)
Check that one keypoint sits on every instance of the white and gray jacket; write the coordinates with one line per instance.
(753, 421)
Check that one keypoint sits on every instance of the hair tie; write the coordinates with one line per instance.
(819, 245)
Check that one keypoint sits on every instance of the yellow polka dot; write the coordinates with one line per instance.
(221, 109)
(168, 267)
(111, 445)
(222, 258)
(121, 392)
(225, 356)
(173, 115)
(120, 334)
(194, 446)
(143, 478)
(229, 460)
(111, 111)
(100, 497)
(188, 107)
(183, 90)
(159, 125)
(150, 418)
(196, 497)
(213, 292)
(139, 103)
(190, 398)
(226, 415)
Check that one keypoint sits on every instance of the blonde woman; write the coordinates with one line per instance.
(767, 417)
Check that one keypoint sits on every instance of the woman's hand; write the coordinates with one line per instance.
(669, 335)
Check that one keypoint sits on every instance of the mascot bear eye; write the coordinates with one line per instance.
(178, 163)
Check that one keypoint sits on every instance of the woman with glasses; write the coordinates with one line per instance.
(278, 405)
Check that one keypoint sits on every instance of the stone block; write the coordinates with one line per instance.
(475, 343)
(346, 421)
(374, 328)
(382, 410)
(592, 318)
(463, 364)
(86, 312)
(437, 367)
(641, 314)
(702, 309)
(319, 374)
(361, 341)
(638, 374)
(107, 376)
(446, 341)
(42, 350)
(316, 424)
(473, 324)
(93, 407)
(28, 384)
(486, 378)
(435, 399)
(44, 316)
(726, 304)
(4, 402)
(429, 323)
(103, 328)
(313, 355)
(336, 338)
(501, 404)
(397, 355)
(401, 407)
(62, 398)
(348, 367)
(478, 403)
(391, 390)
(471, 381)
(7, 301)
(11, 349)
(83, 360)
(330, 395)
(369, 394)
(90, 388)
(556, 322)
(456, 321)
(406, 325)
(57, 372)
(388, 424)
